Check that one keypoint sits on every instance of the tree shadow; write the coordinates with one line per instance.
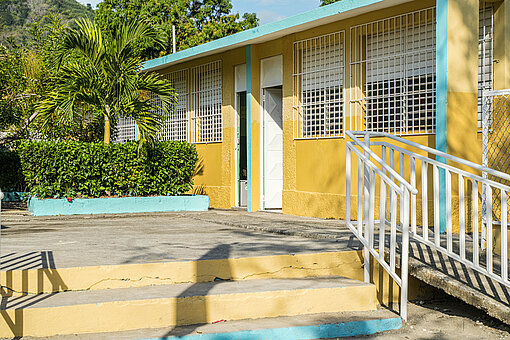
(191, 306)
(21, 275)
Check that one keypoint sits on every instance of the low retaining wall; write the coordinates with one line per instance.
(117, 205)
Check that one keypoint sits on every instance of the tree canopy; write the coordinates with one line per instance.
(100, 79)
(24, 73)
(196, 21)
(328, 2)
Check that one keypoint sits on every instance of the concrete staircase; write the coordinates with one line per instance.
(47, 302)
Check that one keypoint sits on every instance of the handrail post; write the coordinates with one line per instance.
(367, 200)
(348, 184)
(404, 257)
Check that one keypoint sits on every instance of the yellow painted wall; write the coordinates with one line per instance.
(216, 170)
(462, 86)
(314, 169)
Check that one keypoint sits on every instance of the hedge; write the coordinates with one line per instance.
(79, 169)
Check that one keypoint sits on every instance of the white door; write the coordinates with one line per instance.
(273, 148)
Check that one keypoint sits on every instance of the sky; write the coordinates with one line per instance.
(267, 10)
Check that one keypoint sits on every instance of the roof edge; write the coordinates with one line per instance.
(245, 37)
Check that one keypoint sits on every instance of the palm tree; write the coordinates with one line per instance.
(105, 74)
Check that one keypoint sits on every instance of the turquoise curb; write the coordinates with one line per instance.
(333, 330)
(13, 196)
(117, 205)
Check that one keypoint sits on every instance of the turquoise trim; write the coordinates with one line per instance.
(137, 132)
(333, 330)
(117, 205)
(244, 38)
(441, 99)
(248, 123)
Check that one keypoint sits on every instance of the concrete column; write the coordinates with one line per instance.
(456, 86)
(462, 80)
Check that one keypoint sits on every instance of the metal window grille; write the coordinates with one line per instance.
(205, 103)
(176, 127)
(318, 85)
(126, 130)
(485, 54)
(393, 74)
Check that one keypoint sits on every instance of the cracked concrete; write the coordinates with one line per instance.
(71, 241)
(59, 242)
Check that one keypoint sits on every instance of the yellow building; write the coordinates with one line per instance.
(268, 108)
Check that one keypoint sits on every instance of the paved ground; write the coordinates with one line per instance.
(447, 318)
(35, 242)
(69, 241)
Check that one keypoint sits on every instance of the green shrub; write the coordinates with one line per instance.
(70, 168)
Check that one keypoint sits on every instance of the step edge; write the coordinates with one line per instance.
(36, 281)
(321, 331)
(359, 284)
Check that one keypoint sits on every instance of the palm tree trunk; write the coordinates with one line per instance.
(107, 126)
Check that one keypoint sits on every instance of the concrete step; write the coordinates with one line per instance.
(180, 304)
(16, 279)
(8, 215)
(309, 326)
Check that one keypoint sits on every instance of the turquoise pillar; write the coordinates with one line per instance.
(441, 99)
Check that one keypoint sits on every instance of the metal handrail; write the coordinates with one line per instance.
(367, 172)
(480, 236)
(383, 164)
(435, 152)
(496, 93)
(372, 166)
(444, 166)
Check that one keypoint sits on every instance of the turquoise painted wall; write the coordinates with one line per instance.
(117, 205)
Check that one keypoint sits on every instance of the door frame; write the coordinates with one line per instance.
(274, 83)
(237, 143)
(237, 133)
(263, 146)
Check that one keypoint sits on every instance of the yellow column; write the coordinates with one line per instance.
(462, 83)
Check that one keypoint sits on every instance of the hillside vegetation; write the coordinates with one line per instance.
(16, 16)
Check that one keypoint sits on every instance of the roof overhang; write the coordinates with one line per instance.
(317, 17)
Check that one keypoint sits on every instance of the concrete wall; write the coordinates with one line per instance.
(314, 169)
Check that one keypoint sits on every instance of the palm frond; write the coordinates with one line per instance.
(87, 39)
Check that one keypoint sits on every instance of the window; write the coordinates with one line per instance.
(318, 86)
(393, 74)
(485, 53)
(175, 129)
(126, 130)
(206, 124)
